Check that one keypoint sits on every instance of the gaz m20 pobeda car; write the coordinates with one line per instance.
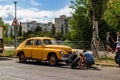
(43, 49)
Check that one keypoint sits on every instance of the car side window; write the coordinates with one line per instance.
(29, 42)
(37, 42)
(46, 41)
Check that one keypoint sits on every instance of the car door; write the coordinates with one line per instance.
(28, 48)
(37, 50)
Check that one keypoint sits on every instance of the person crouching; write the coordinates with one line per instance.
(87, 59)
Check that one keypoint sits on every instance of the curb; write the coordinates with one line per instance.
(99, 64)
(8, 56)
(107, 65)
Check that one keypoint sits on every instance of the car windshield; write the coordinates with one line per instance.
(50, 42)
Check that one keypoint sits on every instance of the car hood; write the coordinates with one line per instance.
(67, 48)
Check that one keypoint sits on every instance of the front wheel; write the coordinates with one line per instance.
(22, 58)
(53, 60)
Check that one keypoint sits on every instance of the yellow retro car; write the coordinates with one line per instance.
(42, 49)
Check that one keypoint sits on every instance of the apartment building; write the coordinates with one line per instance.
(60, 22)
(28, 26)
(33, 25)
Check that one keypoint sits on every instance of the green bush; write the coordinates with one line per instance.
(8, 53)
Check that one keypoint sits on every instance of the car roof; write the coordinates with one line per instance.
(40, 38)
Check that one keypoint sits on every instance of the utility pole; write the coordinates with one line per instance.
(15, 27)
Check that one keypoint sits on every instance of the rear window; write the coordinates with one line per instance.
(50, 42)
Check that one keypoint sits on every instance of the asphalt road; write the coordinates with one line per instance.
(11, 69)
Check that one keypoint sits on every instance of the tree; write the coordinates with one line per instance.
(38, 29)
(11, 33)
(81, 22)
(61, 31)
(20, 30)
(5, 27)
(1, 22)
(97, 10)
(89, 11)
(53, 30)
(112, 15)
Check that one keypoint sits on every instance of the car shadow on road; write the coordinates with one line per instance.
(98, 68)
(40, 63)
(60, 65)
(4, 58)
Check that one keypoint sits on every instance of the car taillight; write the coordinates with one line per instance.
(116, 49)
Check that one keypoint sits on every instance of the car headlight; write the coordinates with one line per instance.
(61, 52)
(76, 52)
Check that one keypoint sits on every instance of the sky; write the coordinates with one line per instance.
(42, 11)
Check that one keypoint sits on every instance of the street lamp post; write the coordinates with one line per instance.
(15, 27)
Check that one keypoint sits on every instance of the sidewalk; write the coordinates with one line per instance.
(108, 63)
(9, 48)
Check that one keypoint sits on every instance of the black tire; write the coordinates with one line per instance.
(75, 63)
(22, 58)
(53, 61)
(72, 58)
(119, 65)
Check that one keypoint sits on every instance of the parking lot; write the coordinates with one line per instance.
(11, 69)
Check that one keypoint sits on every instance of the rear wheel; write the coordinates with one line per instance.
(53, 60)
(22, 58)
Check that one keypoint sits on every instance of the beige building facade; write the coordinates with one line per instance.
(60, 22)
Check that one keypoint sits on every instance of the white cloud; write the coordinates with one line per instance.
(30, 14)
(34, 2)
(3, 0)
(6, 11)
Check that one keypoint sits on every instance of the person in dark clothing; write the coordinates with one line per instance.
(117, 55)
(109, 41)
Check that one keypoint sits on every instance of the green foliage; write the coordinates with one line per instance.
(7, 38)
(81, 28)
(5, 29)
(6, 33)
(38, 29)
(20, 30)
(46, 34)
(97, 8)
(62, 31)
(112, 15)
(8, 53)
(103, 28)
(11, 34)
(84, 13)
(80, 23)
(1, 22)
(67, 36)
(53, 30)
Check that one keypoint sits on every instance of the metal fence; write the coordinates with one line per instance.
(72, 44)
(77, 44)
(11, 43)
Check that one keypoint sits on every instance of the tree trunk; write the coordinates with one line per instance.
(95, 37)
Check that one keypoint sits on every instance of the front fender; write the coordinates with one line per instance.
(16, 52)
(47, 51)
